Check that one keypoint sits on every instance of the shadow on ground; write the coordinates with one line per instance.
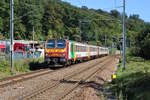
(42, 65)
(37, 65)
(92, 84)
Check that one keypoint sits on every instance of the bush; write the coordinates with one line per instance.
(133, 83)
(134, 51)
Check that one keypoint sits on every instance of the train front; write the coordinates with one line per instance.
(56, 52)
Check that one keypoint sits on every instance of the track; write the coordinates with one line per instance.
(33, 84)
(22, 77)
(82, 81)
(76, 92)
(81, 75)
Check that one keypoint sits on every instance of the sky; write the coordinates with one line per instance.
(140, 7)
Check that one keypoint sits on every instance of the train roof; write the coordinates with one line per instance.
(81, 43)
(86, 44)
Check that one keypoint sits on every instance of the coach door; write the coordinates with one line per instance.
(73, 51)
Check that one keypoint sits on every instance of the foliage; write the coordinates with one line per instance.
(140, 40)
(143, 42)
(133, 83)
(64, 20)
(4, 69)
(20, 66)
(115, 13)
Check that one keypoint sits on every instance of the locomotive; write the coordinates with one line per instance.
(62, 52)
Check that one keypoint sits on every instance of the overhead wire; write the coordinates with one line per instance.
(103, 16)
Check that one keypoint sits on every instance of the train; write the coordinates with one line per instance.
(63, 52)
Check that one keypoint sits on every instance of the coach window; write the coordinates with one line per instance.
(71, 49)
(76, 48)
(82, 48)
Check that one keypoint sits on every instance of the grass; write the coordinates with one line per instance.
(20, 66)
(4, 68)
(134, 82)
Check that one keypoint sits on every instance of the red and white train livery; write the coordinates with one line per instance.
(65, 52)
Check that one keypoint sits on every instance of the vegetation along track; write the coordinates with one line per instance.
(49, 88)
(22, 77)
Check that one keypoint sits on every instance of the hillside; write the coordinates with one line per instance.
(60, 19)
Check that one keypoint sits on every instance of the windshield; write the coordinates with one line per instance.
(50, 44)
(61, 44)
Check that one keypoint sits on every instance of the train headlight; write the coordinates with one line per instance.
(62, 50)
(46, 54)
(56, 50)
(63, 54)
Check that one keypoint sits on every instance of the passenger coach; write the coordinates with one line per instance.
(65, 52)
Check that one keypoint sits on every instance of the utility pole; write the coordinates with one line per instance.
(33, 42)
(95, 36)
(124, 40)
(120, 39)
(80, 31)
(12, 38)
(105, 40)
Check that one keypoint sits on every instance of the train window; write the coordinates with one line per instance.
(50, 44)
(71, 48)
(79, 49)
(76, 48)
(84, 49)
(61, 44)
